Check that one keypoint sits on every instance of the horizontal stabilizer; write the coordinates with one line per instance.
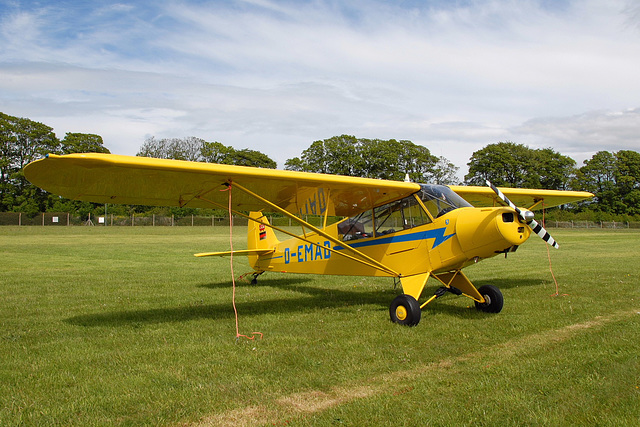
(243, 252)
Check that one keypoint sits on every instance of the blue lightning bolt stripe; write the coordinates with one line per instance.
(437, 234)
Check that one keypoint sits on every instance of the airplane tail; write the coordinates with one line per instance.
(259, 234)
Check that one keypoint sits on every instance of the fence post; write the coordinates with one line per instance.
(20, 219)
(133, 219)
(70, 214)
(42, 218)
(192, 220)
(172, 220)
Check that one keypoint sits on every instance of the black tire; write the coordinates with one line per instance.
(405, 310)
(494, 298)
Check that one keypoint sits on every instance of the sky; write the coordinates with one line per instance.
(277, 75)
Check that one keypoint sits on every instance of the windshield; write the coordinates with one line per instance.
(440, 199)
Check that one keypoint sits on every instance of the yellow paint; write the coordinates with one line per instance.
(401, 312)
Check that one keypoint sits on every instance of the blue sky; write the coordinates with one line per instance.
(275, 76)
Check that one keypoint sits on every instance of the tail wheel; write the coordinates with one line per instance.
(493, 297)
(405, 310)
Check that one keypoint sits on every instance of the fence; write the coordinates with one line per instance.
(592, 224)
(68, 219)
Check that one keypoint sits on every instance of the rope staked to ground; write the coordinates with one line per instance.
(549, 258)
(233, 279)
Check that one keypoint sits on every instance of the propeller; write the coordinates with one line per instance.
(526, 216)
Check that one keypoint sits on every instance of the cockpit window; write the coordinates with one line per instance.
(439, 199)
(390, 218)
(357, 227)
(402, 214)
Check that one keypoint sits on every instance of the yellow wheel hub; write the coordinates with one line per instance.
(401, 312)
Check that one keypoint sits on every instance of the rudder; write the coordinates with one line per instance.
(259, 234)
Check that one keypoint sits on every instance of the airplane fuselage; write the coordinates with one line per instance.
(458, 238)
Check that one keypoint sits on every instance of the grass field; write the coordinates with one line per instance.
(123, 326)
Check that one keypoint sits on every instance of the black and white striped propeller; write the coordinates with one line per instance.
(526, 217)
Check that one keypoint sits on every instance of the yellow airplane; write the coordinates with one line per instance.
(411, 232)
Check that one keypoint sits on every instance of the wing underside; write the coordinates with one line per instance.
(533, 199)
(109, 178)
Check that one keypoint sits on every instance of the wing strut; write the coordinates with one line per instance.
(360, 257)
(254, 252)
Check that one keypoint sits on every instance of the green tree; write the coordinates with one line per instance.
(627, 171)
(551, 170)
(504, 164)
(614, 178)
(215, 152)
(294, 164)
(336, 155)
(515, 165)
(372, 158)
(246, 157)
(83, 143)
(21, 142)
(598, 175)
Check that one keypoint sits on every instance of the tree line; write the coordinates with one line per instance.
(614, 177)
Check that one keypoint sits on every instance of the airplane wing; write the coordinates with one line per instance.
(524, 197)
(110, 178)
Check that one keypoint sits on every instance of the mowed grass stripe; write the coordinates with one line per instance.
(286, 408)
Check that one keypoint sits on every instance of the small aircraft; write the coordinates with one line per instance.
(370, 227)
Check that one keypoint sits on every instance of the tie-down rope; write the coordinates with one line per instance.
(233, 279)
(549, 257)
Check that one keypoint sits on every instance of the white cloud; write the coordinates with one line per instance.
(277, 75)
(582, 135)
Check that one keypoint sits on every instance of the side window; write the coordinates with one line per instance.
(401, 215)
(358, 227)
(390, 218)
(414, 214)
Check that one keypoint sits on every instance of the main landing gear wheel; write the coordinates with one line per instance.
(405, 310)
(493, 297)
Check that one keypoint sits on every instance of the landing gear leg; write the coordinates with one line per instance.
(254, 280)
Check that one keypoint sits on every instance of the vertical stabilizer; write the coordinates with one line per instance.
(259, 235)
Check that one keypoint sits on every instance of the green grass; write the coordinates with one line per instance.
(123, 326)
